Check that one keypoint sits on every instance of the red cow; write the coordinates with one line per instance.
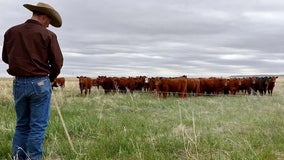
(85, 83)
(212, 85)
(151, 82)
(271, 84)
(234, 85)
(59, 82)
(107, 83)
(123, 83)
(120, 84)
(193, 86)
(247, 84)
(136, 83)
(206, 86)
(171, 85)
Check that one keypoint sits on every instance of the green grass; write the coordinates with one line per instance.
(142, 126)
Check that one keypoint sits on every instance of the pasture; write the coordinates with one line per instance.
(141, 126)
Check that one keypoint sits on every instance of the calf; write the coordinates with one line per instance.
(85, 83)
(58, 82)
(271, 84)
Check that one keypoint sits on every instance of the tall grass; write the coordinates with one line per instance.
(142, 126)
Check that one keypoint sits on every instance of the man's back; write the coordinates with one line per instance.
(28, 49)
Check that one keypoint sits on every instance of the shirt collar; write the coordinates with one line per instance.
(33, 21)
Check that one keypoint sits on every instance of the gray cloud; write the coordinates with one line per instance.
(165, 37)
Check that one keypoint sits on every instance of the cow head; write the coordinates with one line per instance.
(273, 79)
(253, 80)
(81, 79)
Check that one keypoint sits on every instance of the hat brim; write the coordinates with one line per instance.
(56, 20)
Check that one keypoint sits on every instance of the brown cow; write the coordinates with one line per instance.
(247, 84)
(206, 86)
(107, 83)
(234, 85)
(123, 84)
(58, 82)
(212, 85)
(85, 83)
(193, 86)
(165, 86)
(271, 84)
(138, 81)
(120, 84)
(152, 86)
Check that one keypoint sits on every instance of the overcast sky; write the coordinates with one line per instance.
(197, 38)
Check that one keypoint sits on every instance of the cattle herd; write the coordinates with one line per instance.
(180, 86)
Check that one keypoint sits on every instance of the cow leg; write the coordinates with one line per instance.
(165, 94)
(183, 95)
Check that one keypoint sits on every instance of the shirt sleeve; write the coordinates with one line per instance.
(55, 58)
(4, 51)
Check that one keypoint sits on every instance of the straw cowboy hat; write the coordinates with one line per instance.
(47, 10)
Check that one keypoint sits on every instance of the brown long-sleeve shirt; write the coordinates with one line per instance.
(32, 50)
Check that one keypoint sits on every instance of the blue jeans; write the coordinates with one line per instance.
(32, 97)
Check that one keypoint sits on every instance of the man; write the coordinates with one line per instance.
(35, 59)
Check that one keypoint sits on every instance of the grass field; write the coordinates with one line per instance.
(142, 126)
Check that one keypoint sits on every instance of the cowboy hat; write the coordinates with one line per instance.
(47, 10)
